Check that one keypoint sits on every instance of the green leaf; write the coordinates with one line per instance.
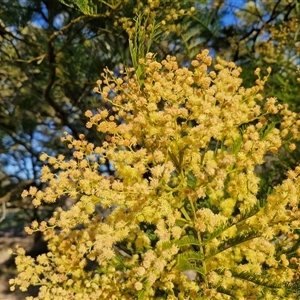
(227, 292)
(141, 295)
(237, 144)
(189, 261)
(69, 3)
(191, 179)
(265, 281)
(92, 7)
(184, 241)
(240, 238)
(264, 131)
(220, 229)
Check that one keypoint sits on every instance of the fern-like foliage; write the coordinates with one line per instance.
(139, 45)
(198, 30)
(240, 238)
(238, 221)
(187, 240)
(92, 7)
(226, 292)
(69, 3)
(191, 260)
(267, 285)
(262, 280)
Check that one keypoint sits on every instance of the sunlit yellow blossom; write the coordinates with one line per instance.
(184, 150)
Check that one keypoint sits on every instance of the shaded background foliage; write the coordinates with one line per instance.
(51, 55)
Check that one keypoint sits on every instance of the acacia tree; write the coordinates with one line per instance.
(198, 134)
(44, 48)
(194, 204)
(51, 56)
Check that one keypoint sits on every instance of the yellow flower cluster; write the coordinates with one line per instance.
(168, 13)
(282, 36)
(185, 146)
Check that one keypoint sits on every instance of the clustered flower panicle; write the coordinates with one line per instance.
(170, 16)
(185, 145)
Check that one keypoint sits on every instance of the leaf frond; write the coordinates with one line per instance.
(235, 221)
(240, 238)
(219, 230)
(190, 261)
(226, 292)
(264, 281)
(187, 240)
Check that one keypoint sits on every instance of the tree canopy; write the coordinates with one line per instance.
(53, 52)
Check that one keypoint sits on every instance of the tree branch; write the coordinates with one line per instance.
(15, 190)
(68, 26)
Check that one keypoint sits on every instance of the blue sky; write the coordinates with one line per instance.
(230, 18)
